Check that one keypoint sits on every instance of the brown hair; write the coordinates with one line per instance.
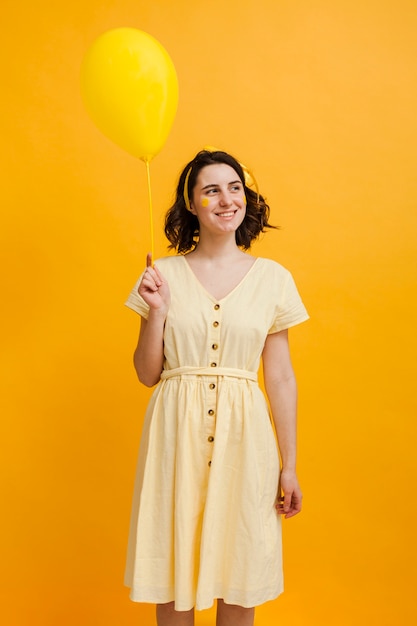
(182, 227)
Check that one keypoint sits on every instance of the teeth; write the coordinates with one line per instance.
(229, 214)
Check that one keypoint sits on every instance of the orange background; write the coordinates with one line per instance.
(320, 100)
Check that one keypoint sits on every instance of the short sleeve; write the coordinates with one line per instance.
(136, 302)
(290, 309)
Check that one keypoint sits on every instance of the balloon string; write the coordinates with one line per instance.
(148, 175)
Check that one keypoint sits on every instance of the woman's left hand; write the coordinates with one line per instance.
(289, 494)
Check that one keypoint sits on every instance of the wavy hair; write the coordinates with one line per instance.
(181, 226)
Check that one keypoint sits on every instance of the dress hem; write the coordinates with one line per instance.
(148, 598)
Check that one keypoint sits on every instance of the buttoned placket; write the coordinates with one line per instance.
(214, 338)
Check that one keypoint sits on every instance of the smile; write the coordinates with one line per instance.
(226, 214)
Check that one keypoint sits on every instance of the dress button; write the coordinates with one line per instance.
(213, 364)
(210, 412)
(211, 439)
(215, 324)
(214, 346)
(216, 307)
(209, 463)
(212, 386)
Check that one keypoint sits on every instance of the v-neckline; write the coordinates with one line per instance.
(213, 298)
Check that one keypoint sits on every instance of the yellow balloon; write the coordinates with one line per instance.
(130, 89)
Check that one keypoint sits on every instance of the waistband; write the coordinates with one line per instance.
(177, 372)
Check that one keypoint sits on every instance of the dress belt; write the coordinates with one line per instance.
(209, 371)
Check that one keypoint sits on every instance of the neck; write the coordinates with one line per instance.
(217, 247)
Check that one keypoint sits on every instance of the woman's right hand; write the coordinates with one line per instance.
(154, 288)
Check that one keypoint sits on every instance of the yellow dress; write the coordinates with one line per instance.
(203, 523)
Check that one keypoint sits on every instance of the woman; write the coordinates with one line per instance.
(209, 495)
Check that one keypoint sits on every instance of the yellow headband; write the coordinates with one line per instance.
(186, 198)
(250, 179)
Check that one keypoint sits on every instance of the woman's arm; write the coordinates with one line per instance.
(281, 388)
(149, 354)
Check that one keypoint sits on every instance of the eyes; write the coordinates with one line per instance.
(233, 188)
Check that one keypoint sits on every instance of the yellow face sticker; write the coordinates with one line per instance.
(205, 202)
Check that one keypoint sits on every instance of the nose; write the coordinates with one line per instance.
(225, 198)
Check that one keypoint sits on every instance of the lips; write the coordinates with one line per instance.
(226, 214)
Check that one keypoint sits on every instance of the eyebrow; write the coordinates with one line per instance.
(233, 182)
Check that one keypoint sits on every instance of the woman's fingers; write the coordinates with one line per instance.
(152, 279)
(285, 501)
(153, 287)
(289, 505)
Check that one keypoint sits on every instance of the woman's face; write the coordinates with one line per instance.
(218, 199)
